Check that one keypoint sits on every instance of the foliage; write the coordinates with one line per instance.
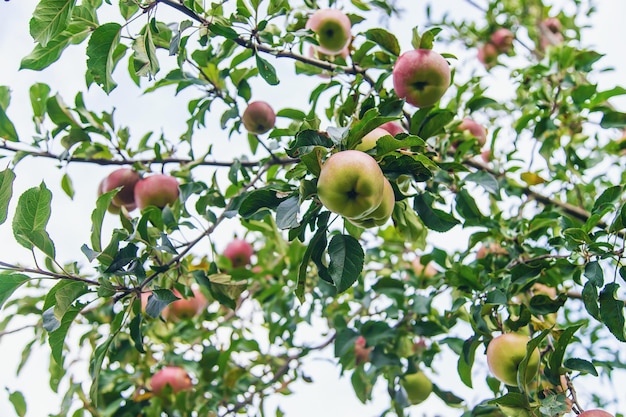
(543, 214)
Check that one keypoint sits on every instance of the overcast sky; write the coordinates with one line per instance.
(163, 112)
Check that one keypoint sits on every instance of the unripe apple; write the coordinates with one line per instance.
(595, 413)
(421, 77)
(474, 129)
(185, 308)
(332, 29)
(381, 215)
(393, 128)
(369, 140)
(156, 190)
(504, 355)
(417, 386)
(488, 55)
(351, 184)
(361, 353)
(239, 252)
(125, 178)
(174, 376)
(258, 117)
(502, 39)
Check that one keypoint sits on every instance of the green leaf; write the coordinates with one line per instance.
(7, 129)
(50, 18)
(370, 120)
(346, 261)
(478, 102)
(65, 295)
(434, 219)
(287, 213)
(556, 358)
(67, 186)
(31, 218)
(466, 360)
(485, 180)
(159, 299)
(42, 57)
(258, 200)
(135, 333)
(267, 71)
(221, 30)
(542, 304)
(533, 344)
(18, 401)
(590, 299)
(95, 366)
(386, 40)
(593, 271)
(613, 119)
(434, 123)
(612, 311)
(145, 61)
(607, 198)
(10, 282)
(467, 207)
(56, 339)
(306, 140)
(6, 192)
(224, 289)
(577, 364)
(101, 54)
(97, 217)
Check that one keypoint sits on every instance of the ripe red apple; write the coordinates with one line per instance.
(504, 354)
(488, 55)
(421, 77)
(156, 190)
(332, 29)
(393, 128)
(595, 413)
(351, 184)
(185, 308)
(474, 129)
(420, 270)
(417, 386)
(125, 178)
(553, 24)
(369, 141)
(502, 39)
(361, 353)
(174, 376)
(239, 252)
(381, 215)
(258, 117)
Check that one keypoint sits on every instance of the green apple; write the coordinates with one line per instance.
(351, 184)
(504, 355)
(417, 386)
(156, 190)
(369, 140)
(502, 39)
(173, 376)
(381, 215)
(421, 77)
(258, 117)
(332, 29)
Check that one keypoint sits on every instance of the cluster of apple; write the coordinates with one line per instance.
(500, 42)
(136, 192)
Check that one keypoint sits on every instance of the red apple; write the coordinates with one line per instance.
(125, 178)
(332, 29)
(595, 413)
(475, 130)
(361, 353)
(239, 252)
(173, 376)
(488, 55)
(185, 308)
(553, 24)
(393, 128)
(504, 355)
(502, 39)
(156, 190)
(351, 184)
(258, 117)
(421, 77)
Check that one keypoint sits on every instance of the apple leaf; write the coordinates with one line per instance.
(7, 129)
(370, 120)
(224, 289)
(267, 71)
(9, 283)
(31, 218)
(433, 218)
(103, 55)
(50, 18)
(522, 369)
(346, 261)
(18, 401)
(466, 360)
(56, 338)
(136, 334)
(258, 200)
(388, 143)
(6, 192)
(612, 311)
(556, 357)
(577, 364)
(590, 299)
(434, 123)
(613, 119)
(158, 300)
(386, 40)
(287, 213)
(305, 140)
(428, 37)
(97, 218)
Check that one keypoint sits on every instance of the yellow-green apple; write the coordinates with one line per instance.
(351, 184)
(595, 413)
(502, 39)
(488, 55)
(474, 129)
(417, 386)
(332, 30)
(239, 252)
(383, 212)
(185, 308)
(125, 178)
(393, 128)
(369, 140)
(504, 355)
(156, 190)
(361, 352)
(258, 117)
(427, 271)
(421, 77)
(173, 376)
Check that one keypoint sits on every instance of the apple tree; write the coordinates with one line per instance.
(407, 212)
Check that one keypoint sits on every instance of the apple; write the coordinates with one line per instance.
(504, 354)
(361, 353)
(553, 24)
(488, 55)
(125, 178)
(382, 213)
(393, 128)
(421, 77)
(417, 386)
(595, 413)
(502, 39)
(420, 270)
(258, 117)
(474, 129)
(351, 184)
(332, 29)
(550, 32)
(156, 190)
(369, 140)
(490, 248)
(239, 252)
(486, 156)
(173, 376)
(185, 308)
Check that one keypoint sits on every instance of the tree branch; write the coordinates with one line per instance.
(46, 274)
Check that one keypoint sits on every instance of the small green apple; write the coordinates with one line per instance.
(417, 386)
(332, 28)
(351, 184)
(504, 355)
(258, 117)
(421, 77)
